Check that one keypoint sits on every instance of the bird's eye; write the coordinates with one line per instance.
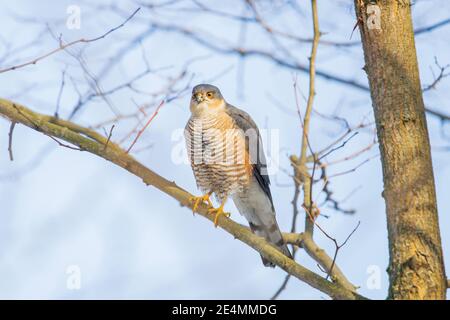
(209, 94)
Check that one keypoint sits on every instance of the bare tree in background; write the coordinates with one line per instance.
(416, 266)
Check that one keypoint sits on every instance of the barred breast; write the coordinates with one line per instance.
(218, 154)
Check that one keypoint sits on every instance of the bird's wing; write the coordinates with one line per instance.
(257, 206)
(259, 165)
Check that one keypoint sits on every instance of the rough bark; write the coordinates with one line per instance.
(416, 268)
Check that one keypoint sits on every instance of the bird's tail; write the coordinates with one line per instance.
(263, 223)
(271, 232)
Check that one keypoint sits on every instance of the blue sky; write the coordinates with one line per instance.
(61, 208)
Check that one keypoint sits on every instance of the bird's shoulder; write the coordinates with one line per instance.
(243, 120)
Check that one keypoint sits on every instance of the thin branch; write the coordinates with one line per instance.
(442, 74)
(355, 168)
(63, 144)
(431, 27)
(337, 246)
(145, 126)
(10, 139)
(295, 213)
(417, 32)
(109, 136)
(329, 194)
(69, 44)
(353, 155)
(438, 114)
(338, 147)
(320, 256)
(282, 287)
(116, 28)
(61, 88)
(38, 128)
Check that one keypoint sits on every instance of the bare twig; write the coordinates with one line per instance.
(319, 255)
(443, 117)
(329, 194)
(10, 139)
(61, 88)
(63, 144)
(109, 135)
(354, 168)
(281, 288)
(38, 128)
(431, 27)
(351, 156)
(63, 46)
(442, 74)
(295, 213)
(338, 147)
(145, 126)
(337, 246)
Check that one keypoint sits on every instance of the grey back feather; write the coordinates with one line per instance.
(246, 123)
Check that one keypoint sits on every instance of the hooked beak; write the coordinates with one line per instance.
(199, 97)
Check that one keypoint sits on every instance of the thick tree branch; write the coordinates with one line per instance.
(91, 141)
(302, 169)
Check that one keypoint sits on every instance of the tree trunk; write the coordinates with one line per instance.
(416, 267)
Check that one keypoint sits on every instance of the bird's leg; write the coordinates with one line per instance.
(218, 212)
(201, 199)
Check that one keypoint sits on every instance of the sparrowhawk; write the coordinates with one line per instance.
(227, 158)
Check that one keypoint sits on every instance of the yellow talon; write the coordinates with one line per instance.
(201, 199)
(218, 212)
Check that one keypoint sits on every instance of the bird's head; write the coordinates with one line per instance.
(206, 98)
